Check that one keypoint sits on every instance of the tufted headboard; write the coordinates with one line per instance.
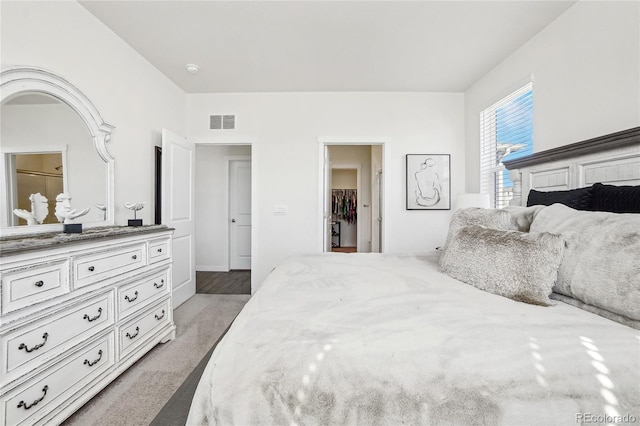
(611, 159)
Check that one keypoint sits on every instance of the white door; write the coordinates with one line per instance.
(376, 198)
(240, 214)
(178, 178)
(327, 208)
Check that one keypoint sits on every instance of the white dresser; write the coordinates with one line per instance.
(76, 311)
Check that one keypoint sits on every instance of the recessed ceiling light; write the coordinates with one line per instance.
(192, 68)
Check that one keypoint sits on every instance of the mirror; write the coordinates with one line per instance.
(40, 173)
(53, 141)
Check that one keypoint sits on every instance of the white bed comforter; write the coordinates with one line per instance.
(369, 339)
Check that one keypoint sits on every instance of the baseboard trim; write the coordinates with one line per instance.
(183, 293)
(208, 268)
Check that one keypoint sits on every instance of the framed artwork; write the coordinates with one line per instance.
(428, 182)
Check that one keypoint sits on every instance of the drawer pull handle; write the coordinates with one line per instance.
(134, 257)
(131, 336)
(131, 299)
(45, 336)
(91, 364)
(88, 318)
(159, 250)
(27, 406)
(39, 283)
(160, 285)
(91, 268)
(159, 317)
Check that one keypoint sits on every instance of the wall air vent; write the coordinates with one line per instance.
(228, 121)
(215, 122)
(218, 122)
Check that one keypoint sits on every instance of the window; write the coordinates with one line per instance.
(506, 133)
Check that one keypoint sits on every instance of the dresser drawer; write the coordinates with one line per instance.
(99, 266)
(133, 296)
(36, 398)
(30, 346)
(135, 332)
(26, 286)
(159, 250)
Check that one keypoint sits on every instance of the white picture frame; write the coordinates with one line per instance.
(428, 182)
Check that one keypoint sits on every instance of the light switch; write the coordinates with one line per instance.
(280, 209)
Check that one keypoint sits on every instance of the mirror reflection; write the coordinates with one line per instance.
(47, 149)
(36, 174)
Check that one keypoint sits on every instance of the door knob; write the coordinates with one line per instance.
(233, 220)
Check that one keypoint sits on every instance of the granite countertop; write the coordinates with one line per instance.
(14, 244)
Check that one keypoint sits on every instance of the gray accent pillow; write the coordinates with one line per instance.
(601, 265)
(522, 217)
(518, 265)
(489, 218)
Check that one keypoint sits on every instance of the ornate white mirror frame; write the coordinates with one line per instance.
(26, 79)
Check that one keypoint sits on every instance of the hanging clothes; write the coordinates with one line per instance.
(344, 204)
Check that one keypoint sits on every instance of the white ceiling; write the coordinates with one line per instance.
(267, 46)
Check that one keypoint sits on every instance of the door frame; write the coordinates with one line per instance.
(358, 169)
(227, 200)
(323, 142)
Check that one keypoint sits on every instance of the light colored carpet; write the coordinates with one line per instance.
(136, 397)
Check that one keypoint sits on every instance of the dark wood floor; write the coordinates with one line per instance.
(232, 282)
(344, 249)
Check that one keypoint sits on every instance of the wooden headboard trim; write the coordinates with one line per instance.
(602, 143)
(612, 159)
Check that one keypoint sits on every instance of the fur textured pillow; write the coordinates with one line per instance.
(520, 266)
(489, 218)
(601, 264)
(522, 217)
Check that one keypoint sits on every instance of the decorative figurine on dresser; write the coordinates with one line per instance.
(76, 309)
(39, 210)
(135, 207)
(67, 215)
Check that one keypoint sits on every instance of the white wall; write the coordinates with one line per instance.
(129, 92)
(344, 179)
(212, 205)
(285, 129)
(586, 69)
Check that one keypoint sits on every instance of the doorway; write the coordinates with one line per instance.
(345, 187)
(352, 197)
(223, 207)
(194, 192)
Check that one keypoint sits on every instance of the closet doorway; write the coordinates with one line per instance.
(352, 197)
(346, 184)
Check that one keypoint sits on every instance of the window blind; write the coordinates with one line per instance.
(506, 133)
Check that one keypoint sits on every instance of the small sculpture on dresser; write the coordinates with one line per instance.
(135, 207)
(67, 215)
(39, 210)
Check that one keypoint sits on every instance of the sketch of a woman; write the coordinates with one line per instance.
(428, 186)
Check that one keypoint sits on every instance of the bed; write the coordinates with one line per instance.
(373, 339)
